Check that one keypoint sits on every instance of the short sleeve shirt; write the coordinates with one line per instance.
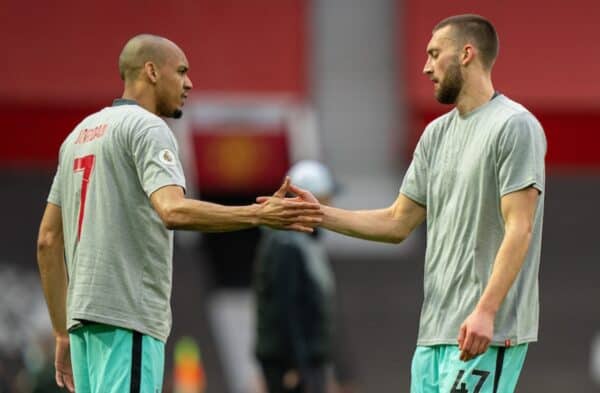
(461, 168)
(118, 251)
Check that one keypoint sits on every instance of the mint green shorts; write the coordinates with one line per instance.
(438, 369)
(108, 359)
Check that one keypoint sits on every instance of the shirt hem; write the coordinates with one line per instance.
(413, 198)
(53, 201)
(158, 186)
(75, 317)
(496, 343)
(530, 183)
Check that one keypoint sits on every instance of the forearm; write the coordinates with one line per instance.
(508, 263)
(378, 225)
(178, 212)
(53, 274)
(203, 216)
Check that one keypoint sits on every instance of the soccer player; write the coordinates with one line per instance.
(105, 241)
(477, 177)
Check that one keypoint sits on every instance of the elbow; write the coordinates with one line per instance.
(399, 232)
(169, 204)
(169, 219)
(527, 235)
(397, 237)
(170, 216)
(46, 241)
(522, 230)
(170, 224)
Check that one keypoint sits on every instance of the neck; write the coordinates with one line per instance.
(142, 94)
(477, 91)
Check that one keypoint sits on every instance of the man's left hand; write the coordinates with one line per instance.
(300, 213)
(475, 334)
(62, 363)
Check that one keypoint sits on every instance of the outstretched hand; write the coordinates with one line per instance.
(475, 334)
(301, 212)
(303, 195)
(62, 364)
(288, 187)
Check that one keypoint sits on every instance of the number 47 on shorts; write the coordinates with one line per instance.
(461, 387)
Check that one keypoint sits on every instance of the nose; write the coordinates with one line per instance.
(187, 83)
(427, 69)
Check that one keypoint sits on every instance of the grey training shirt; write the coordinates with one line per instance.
(462, 167)
(118, 251)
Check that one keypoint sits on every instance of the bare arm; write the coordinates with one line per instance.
(51, 263)
(178, 212)
(53, 274)
(518, 211)
(391, 225)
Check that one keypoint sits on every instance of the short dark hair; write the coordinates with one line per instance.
(478, 29)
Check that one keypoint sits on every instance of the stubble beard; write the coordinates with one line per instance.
(177, 114)
(451, 85)
(165, 111)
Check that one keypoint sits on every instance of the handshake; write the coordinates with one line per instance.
(301, 212)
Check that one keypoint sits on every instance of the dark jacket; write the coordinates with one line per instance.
(294, 290)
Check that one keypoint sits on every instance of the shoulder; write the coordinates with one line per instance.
(139, 125)
(508, 111)
(90, 121)
(434, 131)
(136, 116)
(516, 120)
(518, 130)
(436, 127)
(440, 123)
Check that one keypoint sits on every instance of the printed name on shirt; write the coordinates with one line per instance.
(90, 134)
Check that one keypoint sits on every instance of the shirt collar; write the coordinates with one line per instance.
(124, 101)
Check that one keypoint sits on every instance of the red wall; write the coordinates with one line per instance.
(61, 58)
(547, 61)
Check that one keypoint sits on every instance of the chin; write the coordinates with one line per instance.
(177, 113)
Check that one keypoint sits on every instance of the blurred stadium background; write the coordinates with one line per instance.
(281, 80)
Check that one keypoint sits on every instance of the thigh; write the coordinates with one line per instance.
(424, 376)
(79, 360)
(123, 361)
(153, 364)
(495, 371)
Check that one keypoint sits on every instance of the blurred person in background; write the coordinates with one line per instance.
(294, 292)
(477, 177)
(117, 195)
(26, 359)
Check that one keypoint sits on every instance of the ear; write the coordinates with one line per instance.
(151, 71)
(468, 54)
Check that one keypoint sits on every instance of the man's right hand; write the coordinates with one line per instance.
(301, 213)
(62, 363)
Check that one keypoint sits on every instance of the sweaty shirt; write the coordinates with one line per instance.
(117, 249)
(461, 168)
